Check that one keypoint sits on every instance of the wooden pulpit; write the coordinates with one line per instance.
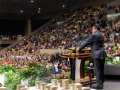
(77, 61)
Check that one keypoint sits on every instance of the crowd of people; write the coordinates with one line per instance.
(74, 29)
(21, 61)
(113, 39)
(114, 9)
(76, 25)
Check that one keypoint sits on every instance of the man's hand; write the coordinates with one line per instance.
(77, 49)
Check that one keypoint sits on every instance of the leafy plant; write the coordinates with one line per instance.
(109, 59)
(13, 75)
(85, 68)
(112, 60)
(31, 81)
(7, 68)
(12, 80)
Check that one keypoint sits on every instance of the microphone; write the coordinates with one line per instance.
(92, 70)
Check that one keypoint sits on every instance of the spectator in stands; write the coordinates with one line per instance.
(75, 27)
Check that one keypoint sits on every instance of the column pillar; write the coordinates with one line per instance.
(28, 29)
(29, 26)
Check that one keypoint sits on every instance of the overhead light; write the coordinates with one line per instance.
(63, 6)
(38, 11)
(39, 8)
(31, 1)
(21, 11)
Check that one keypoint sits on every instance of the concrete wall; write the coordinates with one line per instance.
(7, 42)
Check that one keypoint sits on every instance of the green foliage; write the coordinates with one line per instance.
(13, 75)
(7, 68)
(115, 48)
(12, 80)
(109, 59)
(25, 73)
(31, 81)
(85, 68)
(35, 70)
(118, 63)
(69, 77)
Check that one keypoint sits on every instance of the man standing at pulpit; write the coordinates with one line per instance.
(96, 40)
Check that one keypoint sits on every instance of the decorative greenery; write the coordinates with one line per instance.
(33, 71)
(7, 68)
(112, 60)
(63, 75)
(31, 81)
(115, 48)
(12, 80)
(109, 59)
(13, 75)
(85, 68)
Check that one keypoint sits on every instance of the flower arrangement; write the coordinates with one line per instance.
(112, 57)
(63, 75)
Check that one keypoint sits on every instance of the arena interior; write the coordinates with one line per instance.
(39, 40)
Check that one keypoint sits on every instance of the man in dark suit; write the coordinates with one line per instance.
(96, 40)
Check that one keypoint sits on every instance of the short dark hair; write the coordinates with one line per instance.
(97, 27)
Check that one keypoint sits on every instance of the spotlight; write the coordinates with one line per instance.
(31, 1)
(63, 6)
(21, 11)
(38, 11)
(39, 8)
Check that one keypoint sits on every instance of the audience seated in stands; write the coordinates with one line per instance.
(74, 29)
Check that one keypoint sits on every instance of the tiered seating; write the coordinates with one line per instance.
(74, 28)
(53, 36)
(114, 9)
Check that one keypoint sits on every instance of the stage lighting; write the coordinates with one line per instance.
(63, 6)
(21, 11)
(31, 1)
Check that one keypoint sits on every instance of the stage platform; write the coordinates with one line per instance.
(108, 85)
(111, 85)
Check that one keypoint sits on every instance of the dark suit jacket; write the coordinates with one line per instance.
(96, 40)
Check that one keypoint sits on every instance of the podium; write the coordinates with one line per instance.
(77, 62)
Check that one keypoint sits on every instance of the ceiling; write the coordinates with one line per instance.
(22, 9)
(28, 8)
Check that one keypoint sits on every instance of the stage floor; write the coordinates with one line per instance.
(111, 85)
(108, 85)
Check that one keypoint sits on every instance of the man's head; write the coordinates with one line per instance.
(95, 28)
